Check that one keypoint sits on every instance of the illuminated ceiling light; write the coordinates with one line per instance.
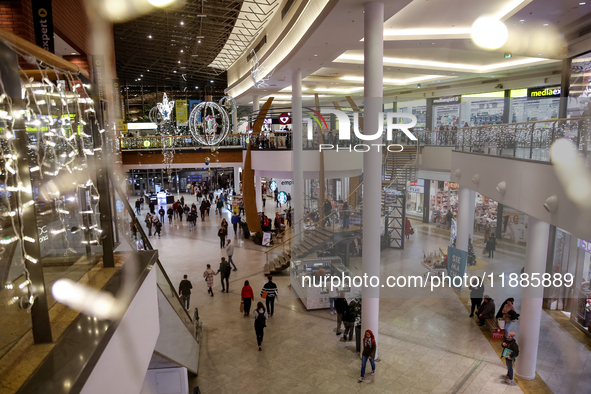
(427, 32)
(211, 81)
(181, 51)
(174, 71)
(179, 62)
(582, 3)
(73, 53)
(149, 36)
(196, 87)
(182, 23)
(521, 20)
(199, 41)
(396, 81)
(489, 33)
(443, 65)
(545, 24)
(160, 3)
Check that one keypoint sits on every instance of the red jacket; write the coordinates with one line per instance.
(247, 292)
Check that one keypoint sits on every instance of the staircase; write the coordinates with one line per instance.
(314, 239)
(399, 168)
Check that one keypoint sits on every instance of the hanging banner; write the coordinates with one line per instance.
(182, 115)
(43, 23)
(118, 114)
(98, 73)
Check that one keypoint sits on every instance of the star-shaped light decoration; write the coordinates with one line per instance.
(165, 108)
(260, 74)
(210, 125)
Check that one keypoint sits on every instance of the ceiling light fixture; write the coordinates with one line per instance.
(199, 41)
(149, 36)
(443, 65)
(582, 3)
(489, 33)
(73, 53)
(545, 24)
(160, 3)
(182, 23)
(174, 71)
(211, 81)
(181, 51)
(196, 87)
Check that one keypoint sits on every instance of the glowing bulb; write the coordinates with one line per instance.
(489, 33)
(160, 3)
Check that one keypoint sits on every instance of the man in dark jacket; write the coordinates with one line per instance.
(138, 207)
(486, 310)
(340, 304)
(272, 293)
(510, 354)
(185, 291)
(476, 293)
(349, 320)
(225, 271)
(235, 220)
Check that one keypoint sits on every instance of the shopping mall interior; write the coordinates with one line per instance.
(155, 152)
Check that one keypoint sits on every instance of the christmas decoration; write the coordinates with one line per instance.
(471, 254)
(165, 108)
(260, 74)
(229, 104)
(209, 123)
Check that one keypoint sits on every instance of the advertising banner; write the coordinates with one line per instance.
(182, 115)
(456, 264)
(98, 71)
(43, 23)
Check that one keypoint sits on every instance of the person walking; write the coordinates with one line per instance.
(222, 232)
(510, 352)
(225, 271)
(240, 207)
(369, 353)
(191, 219)
(332, 296)
(185, 291)
(289, 199)
(161, 212)
(407, 229)
(340, 304)
(157, 227)
(491, 245)
(345, 210)
(270, 292)
(186, 211)
(230, 253)
(449, 216)
(235, 220)
(349, 321)
(486, 310)
(169, 212)
(179, 210)
(202, 209)
(476, 293)
(276, 199)
(218, 206)
(208, 275)
(260, 317)
(247, 297)
(148, 221)
(138, 207)
(507, 315)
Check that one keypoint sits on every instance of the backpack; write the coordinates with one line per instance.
(260, 322)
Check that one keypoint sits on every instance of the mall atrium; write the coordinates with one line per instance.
(295, 196)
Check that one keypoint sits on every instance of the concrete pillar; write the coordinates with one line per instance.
(297, 168)
(373, 71)
(255, 108)
(465, 221)
(259, 194)
(532, 298)
(235, 122)
(237, 180)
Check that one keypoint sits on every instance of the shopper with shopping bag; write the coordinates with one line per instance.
(510, 353)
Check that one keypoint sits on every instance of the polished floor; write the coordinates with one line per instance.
(426, 344)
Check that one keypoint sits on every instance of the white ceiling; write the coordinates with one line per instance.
(329, 53)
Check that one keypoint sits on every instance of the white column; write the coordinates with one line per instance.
(373, 71)
(237, 180)
(466, 203)
(297, 169)
(259, 194)
(531, 299)
(235, 121)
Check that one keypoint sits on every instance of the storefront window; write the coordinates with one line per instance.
(446, 113)
(482, 109)
(580, 87)
(444, 198)
(514, 226)
(415, 199)
(534, 104)
(419, 109)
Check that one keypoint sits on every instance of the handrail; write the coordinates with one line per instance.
(19, 44)
(172, 136)
(147, 243)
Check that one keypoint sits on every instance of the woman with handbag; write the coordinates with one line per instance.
(247, 297)
(408, 230)
(208, 275)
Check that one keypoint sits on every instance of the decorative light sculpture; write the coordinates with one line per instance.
(229, 104)
(209, 123)
(165, 108)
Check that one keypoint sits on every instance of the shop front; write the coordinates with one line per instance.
(572, 256)
(534, 104)
(415, 204)
(482, 109)
(444, 198)
(418, 108)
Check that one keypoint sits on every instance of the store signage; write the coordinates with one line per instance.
(283, 183)
(414, 183)
(181, 111)
(447, 100)
(273, 185)
(142, 126)
(456, 264)
(416, 189)
(43, 22)
(452, 185)
(586, 246)
(282, 197)
(98, 71)
(544, 92)
(43, 234)
(284, 118)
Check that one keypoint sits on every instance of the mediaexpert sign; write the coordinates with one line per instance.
(447, 100)
(457, 261)
(43, 23)
(544, 92)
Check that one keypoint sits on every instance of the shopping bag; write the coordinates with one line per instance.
(483, 250)
(501, 324)
(506, 352)
(241, 306)
(264, 294)
(412, 231)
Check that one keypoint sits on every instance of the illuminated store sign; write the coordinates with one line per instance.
(586, 246)
(543, 92)
(447, 100)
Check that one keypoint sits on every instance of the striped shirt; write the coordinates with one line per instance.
(271, 289)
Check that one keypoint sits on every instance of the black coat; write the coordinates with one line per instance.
(340, 304)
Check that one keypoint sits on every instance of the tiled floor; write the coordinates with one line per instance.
(426, 344)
